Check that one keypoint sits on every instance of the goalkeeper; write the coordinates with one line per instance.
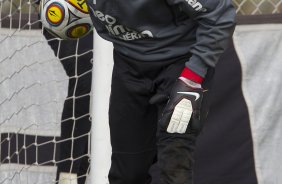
(164, 57)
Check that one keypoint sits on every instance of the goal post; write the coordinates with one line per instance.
(101, 148)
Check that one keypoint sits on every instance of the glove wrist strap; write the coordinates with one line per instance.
(191, 75)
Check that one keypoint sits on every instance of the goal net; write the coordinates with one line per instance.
(45, 88)
(45, 91)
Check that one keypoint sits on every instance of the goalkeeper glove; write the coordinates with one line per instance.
(182, 114)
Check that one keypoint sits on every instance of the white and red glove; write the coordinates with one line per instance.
(183, 112)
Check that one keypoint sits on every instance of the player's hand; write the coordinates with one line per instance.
(182, 114)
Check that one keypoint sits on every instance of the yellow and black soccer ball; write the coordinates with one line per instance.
(66, 19)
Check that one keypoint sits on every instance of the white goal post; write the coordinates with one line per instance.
(101, 148)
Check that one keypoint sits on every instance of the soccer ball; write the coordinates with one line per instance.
(66, 19)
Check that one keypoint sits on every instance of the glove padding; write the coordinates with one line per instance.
(182, 113)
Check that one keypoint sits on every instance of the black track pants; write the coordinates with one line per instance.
(133, 118)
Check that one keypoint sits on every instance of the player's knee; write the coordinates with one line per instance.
(130, 169)
(129, 178)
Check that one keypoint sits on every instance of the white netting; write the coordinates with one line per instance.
(44, 100)
(45, 93)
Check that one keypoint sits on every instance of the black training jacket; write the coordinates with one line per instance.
(156, 30)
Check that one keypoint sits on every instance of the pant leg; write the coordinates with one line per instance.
(131, 92)
(176, 151)
(133, 125)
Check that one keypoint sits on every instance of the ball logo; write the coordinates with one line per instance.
(55, 14)
(78, 31)
(80, 5)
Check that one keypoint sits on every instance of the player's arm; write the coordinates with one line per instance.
(216, 20)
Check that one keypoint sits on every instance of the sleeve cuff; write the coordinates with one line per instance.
(191, 75)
